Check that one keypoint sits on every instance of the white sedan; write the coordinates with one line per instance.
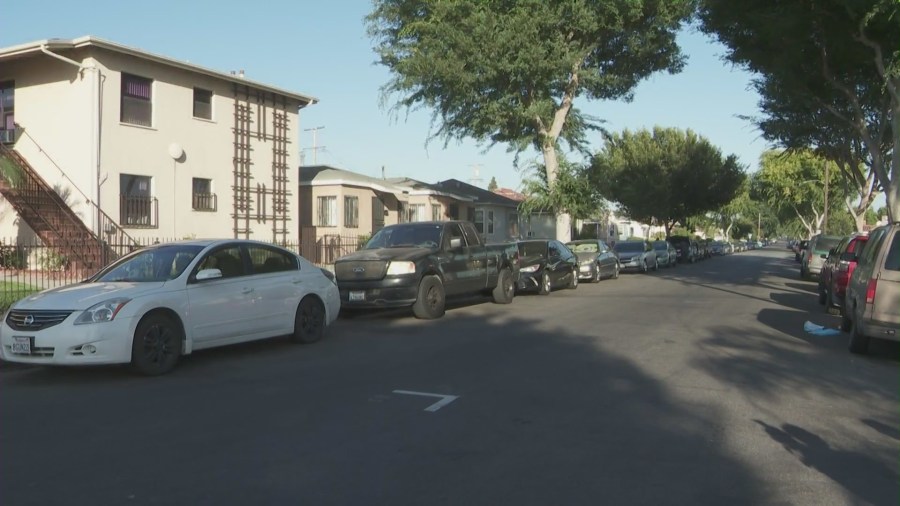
(158, 303)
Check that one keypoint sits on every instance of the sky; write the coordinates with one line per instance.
(321, 49)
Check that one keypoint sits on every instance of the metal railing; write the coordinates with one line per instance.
(204, 202)
(138, 212)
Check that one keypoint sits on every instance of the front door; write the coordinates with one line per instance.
(377, 214)
(222, 308)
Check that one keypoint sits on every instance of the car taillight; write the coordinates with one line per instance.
(843, 266)
(870, 290)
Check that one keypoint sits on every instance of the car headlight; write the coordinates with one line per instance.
(588, 261)
(530, 268)
(105, 311)
(398, 268)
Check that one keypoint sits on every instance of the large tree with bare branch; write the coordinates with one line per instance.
(828, 72)
(511, 71)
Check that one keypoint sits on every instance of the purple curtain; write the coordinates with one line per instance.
(137, 87)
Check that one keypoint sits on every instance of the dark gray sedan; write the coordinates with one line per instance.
(637, 256)
(596, 260)
(666, 254)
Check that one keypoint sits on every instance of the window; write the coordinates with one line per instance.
(402, 208)
(202, 198)
(136, 106)
(416, 212)
(454, 211)
(351, 212)
(453, 232)
(266, 260)
(435, 212)
(7, 111)
(471, 236)
(226, 259)
(490, 222)
(512, 222)
(892, 260)
(136, 207)
(202, 103)
(327, 211)
(479, 221)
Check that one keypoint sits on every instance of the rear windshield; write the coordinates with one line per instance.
(854, 248)
(892, 261)
(532, 249)
(629, 247)
(660, 245)
(825, 244)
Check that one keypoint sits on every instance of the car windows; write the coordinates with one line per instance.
(453, 232)
(872, 246)
(554, 249)
(892, 260)
(533, 249)
(227, 259)
(266, 260)
(471, 236)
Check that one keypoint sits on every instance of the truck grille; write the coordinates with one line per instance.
(35, 320)
(362, 270)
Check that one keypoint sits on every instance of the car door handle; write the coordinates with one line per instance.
(297, 281)
(246, 290)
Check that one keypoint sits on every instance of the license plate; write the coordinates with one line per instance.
(354, 296)
(21, 345)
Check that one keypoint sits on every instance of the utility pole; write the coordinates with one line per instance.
(825, 211)
(476, 179)
(315, 147)
(758, 225)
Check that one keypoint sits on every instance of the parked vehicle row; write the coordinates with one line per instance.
(859, 279)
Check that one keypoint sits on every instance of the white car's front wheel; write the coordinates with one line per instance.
(157, 345)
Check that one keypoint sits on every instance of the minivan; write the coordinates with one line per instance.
(872, 303)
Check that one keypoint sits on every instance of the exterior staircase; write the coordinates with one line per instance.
(57, 225)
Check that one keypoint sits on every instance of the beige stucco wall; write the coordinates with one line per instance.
(365, 208)
(54, 105)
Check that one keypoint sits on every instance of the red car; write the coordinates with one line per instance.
(836, 272)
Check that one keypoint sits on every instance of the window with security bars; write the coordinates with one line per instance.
(202, 197)
(351, 212)
(137, 100)
(202, 103)
(435, 212)
(327, 211)
(416, 212)
(137, 208)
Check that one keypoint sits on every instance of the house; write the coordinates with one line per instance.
(431, 202)
(144, 146)
(496, 217)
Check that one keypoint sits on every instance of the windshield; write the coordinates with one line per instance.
(629, 247)
(533, 249)
(583, 247)
(407, 236)
(148, 265)
(661, 245)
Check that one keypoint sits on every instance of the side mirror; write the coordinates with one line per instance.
(455, 242)
(209, 274)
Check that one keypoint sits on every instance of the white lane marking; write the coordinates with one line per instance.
(445, 399)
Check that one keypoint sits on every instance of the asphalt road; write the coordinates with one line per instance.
(695, 385)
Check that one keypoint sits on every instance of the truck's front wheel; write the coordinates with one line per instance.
(430, 300)
(505, 290)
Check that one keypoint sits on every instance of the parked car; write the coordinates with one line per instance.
(666, 254)
(837, 269)
(816, 253)
(596, 260)
(420, 264)
(161, 302)
(686, 248)
(546, 264)
(636, 255)
(872, 303)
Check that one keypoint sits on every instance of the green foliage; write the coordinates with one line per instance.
(362, 239)
(498, 71)
(12, 257)
(52, 261)
(572, 193)
(492, 186)
(667, 174)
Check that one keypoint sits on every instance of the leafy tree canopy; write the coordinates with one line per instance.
(668, 175)
(572, 192)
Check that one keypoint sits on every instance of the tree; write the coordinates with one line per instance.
(831, 65)
(668, 175)
(509, 72)
(792, 185)
(492, 186)
(572, 191)
(740, 208)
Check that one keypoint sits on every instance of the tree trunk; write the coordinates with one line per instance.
(551, 164)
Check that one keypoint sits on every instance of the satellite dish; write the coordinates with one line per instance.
(175, 151)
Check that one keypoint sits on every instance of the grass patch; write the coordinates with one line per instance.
(11, 291)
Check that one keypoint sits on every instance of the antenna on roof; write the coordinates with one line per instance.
(476, 179)
(382, 173)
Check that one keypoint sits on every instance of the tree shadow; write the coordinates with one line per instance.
(544, 416)
(862, 475)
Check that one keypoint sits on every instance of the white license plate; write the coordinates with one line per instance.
(357, 296)
(21, 345)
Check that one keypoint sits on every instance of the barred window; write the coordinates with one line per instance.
(351, 212)
(202, 197)
(137, 100)
(327, 211)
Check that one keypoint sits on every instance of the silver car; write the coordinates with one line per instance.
(636, 256)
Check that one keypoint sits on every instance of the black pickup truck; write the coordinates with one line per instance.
(421, 264)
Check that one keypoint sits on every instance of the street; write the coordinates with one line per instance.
(693, 385)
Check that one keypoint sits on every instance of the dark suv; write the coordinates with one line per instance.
(686, 248)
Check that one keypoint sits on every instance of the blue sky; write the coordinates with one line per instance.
(321, 49)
